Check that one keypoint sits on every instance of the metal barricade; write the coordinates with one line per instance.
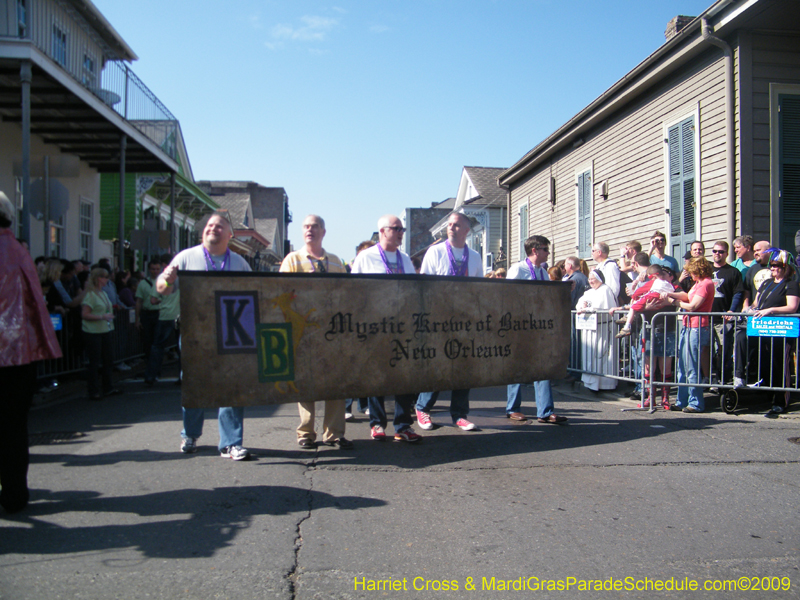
(729, 354)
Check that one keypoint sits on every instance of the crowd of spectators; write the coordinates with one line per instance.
(709, 348)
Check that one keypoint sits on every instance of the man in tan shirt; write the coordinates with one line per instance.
(312, 258)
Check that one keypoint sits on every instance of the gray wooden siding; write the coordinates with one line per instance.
(628, 151)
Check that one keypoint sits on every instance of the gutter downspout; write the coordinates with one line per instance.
(729, 126)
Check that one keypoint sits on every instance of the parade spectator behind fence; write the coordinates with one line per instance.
(313, 258)
(664, 336)
(727, 298)
(608, 267)
(627, 253)
(743, 249)
(500, 273)
(26, 337)
(126, 298)
(169, 309)
(580, 283)
(652, 290)
(97, 313)
(597, 347)
(658, 244)
(696, 250)
(695, 335)
(778, 295)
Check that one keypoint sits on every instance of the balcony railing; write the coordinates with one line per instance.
(56, 28)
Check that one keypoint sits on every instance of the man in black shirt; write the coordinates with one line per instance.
(728, 294)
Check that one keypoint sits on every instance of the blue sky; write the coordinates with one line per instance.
(359, 108)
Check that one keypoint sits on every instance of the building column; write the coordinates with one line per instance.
(172, 249)
(26, 76)
(123, 142)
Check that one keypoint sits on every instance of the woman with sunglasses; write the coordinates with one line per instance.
(778, 295)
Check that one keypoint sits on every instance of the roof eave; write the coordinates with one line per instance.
(681, 43)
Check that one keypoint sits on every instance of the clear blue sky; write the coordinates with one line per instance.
(361, 108)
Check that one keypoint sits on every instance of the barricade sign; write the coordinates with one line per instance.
(586, 321)
(271, 338)
(773, 327)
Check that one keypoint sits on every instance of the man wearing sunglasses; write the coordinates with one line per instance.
(537, 249)
(728, 296)
(385, 257)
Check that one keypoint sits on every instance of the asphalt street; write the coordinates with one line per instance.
(613, 498)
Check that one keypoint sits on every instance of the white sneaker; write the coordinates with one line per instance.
(366, 413)
(188, 445)
(348, 416)
(737, 383)
(234, 452)
(123, 367)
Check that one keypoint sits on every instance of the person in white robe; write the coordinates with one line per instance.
(598, 349)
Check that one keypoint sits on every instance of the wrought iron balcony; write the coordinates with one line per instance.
(79, 40)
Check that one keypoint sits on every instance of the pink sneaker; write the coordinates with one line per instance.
(466, 425)
(407, 435)
(378, 433)
(424, 420)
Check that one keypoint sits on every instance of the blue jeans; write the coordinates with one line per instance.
(402, 411)
(459, 403)
(362, 404)
(231, 425)
(544, 398)
(692, 340)
(163, 330)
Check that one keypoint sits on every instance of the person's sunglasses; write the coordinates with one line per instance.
(718, 251)
(396, 228)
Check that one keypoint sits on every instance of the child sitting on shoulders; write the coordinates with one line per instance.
(657, 283)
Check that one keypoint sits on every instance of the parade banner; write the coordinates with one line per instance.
(270, 338)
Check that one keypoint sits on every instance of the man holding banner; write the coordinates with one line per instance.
(451, 258)
(212, 255)
(386, 257)
(537, 249)
(313, 259)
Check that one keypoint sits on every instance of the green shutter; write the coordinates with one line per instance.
(585, 214)
(682, 201)
(789, 169)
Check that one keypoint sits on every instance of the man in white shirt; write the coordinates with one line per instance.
(609, 267)
(537, 248)
(451, 258)
(212, 255)
(386, 257)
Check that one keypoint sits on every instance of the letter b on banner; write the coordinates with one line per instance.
(275, 352)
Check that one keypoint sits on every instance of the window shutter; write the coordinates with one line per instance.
(789, 156)
(680, 138)
(584, 213)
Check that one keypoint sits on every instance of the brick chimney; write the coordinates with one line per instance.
(675, 26)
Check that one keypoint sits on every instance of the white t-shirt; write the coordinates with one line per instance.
(370, 261)
(194, 259)
(436, 261)
(610, 271)
(521, 270)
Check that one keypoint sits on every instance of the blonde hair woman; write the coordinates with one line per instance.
(98, 323)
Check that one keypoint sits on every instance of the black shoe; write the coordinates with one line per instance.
(635, 396)
(306, 444)
(113, 392)
(342, 442)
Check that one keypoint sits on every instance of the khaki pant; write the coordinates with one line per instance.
(332, 422)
